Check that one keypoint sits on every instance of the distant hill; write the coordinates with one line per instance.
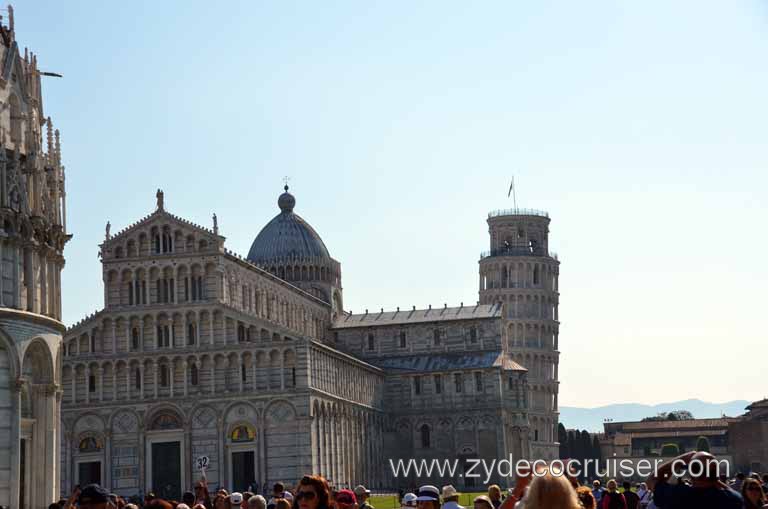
(592, 419)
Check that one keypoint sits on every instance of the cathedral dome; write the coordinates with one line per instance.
(287, 237)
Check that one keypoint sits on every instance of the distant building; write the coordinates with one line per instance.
(748, 436)
(743, 440)
(645, 439)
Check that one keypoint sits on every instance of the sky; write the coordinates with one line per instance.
(640, 126)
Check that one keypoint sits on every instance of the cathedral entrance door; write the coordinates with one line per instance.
(166, 470)
(243, 471)
(89, 472)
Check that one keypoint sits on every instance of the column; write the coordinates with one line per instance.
(87, 384)
(184, 367)
(107, 458)
(254, 365)
(101, 383)
(240, 371)
(141, 380)
(210, 329)
(171, 375)
(154, 375)
(331, 449)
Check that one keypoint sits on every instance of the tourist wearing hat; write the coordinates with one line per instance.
(451, 498)
(235, 499)
(362, 494)
(409, 500)
(483, 502)
(428, 497)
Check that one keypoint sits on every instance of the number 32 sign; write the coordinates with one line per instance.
(202, 463)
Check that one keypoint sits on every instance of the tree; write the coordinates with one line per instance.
(670, 450)
(702, 444)
(597, 454)
(676, 415)
(562, 437)
(572, 446)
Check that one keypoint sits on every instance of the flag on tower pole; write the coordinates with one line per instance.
(512, 192)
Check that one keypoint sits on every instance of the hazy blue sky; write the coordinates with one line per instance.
(639, 125)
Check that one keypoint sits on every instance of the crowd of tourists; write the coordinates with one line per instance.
(547, 489)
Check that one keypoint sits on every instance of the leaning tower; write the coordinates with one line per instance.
(521, 273)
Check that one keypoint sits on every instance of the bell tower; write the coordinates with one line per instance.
(521, 273)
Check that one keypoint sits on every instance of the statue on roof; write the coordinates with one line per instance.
(107, 232)
(160, 199)
(215, 224)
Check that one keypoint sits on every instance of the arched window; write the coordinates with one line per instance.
(194, 375)
(473, 334)
(191, 334)
(403, 342)
(371, 342)
(436, 335)
(424, 436)
(137, 379)
(135, 338)
(536, 278)
(458, 380)
(163, 376)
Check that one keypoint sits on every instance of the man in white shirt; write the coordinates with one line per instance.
(450, 498)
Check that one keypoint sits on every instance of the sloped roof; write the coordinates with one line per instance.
(447, 362)
(639, 426)
(398, 317)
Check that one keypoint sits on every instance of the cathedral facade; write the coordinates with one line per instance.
(253, 363)
(32, 238)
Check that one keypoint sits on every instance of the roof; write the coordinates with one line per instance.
(675, 433)
(641, 426)
(763, 403)
(398, 317)
(448, 361)
(287, 237)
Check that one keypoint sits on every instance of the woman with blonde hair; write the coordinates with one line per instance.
(550, 491)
